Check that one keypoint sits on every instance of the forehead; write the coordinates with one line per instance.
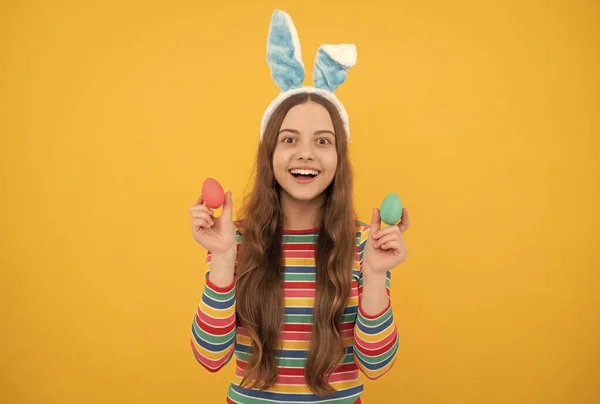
(308, 117)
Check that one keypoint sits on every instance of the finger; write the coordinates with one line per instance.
(228, 206)
(375, 221)
(200, 223)
(397, 250)
(387, 230)
(200, 201)
(201, 208)
(385, 239)
(393, 245)
(388, 246)
(405, 222)
(204, 216)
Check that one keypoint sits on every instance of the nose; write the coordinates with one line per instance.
(305, 151)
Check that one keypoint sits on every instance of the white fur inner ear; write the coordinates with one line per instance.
(344, 54)
(295, 38)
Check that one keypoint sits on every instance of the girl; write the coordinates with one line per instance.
(298, 289)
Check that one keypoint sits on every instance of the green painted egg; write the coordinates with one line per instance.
(391, 209)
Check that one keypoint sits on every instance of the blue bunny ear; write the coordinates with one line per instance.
(332, 64)
(284, 56)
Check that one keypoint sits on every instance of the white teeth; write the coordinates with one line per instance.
(304, 172)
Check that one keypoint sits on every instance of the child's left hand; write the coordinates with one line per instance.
(385, 248)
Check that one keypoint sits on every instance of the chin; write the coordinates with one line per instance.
(302, 192)
(305, 197)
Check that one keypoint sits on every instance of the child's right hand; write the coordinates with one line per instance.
(215, 234)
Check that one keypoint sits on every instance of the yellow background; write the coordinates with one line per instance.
(484, 118)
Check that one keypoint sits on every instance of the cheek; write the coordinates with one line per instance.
(279, 161)
(332, 161)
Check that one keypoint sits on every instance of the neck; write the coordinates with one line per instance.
(301, 215)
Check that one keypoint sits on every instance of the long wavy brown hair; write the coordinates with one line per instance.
(259, 281)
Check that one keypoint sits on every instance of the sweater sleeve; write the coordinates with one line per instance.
(214, 326)
(376, 337)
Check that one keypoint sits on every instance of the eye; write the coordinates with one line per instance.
(323, 140)
(288, 140)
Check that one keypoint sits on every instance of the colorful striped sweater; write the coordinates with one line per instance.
(371, 341)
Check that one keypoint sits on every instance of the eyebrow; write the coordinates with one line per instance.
(297, 132)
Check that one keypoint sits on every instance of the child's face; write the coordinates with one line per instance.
(306, 140)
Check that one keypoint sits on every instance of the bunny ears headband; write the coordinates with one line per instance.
(284, 58)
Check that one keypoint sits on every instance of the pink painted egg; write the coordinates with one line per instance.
(212, 193)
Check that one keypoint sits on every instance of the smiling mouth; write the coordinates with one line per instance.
(304, 174)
